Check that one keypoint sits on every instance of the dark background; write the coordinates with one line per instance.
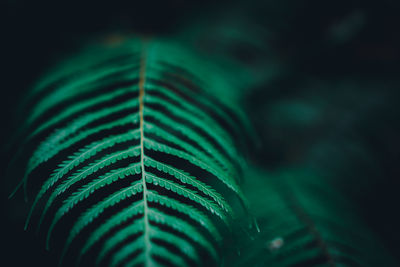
(336, 60)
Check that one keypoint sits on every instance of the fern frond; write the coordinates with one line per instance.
(306, 223)
(138, 135)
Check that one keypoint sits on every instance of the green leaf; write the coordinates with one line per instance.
(115, 183)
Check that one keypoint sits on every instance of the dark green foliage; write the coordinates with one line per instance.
(305, 221)
(137, 160)
(135, 155)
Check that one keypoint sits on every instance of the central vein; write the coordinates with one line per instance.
(142, 80)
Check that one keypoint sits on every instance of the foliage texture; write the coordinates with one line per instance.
(305, 221)
(135, 149)
(135, 157)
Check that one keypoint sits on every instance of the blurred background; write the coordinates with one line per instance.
(325, 95)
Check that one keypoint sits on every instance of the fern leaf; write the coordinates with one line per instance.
(307, 224)
(132, 117)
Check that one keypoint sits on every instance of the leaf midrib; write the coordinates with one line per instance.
(142, 81)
